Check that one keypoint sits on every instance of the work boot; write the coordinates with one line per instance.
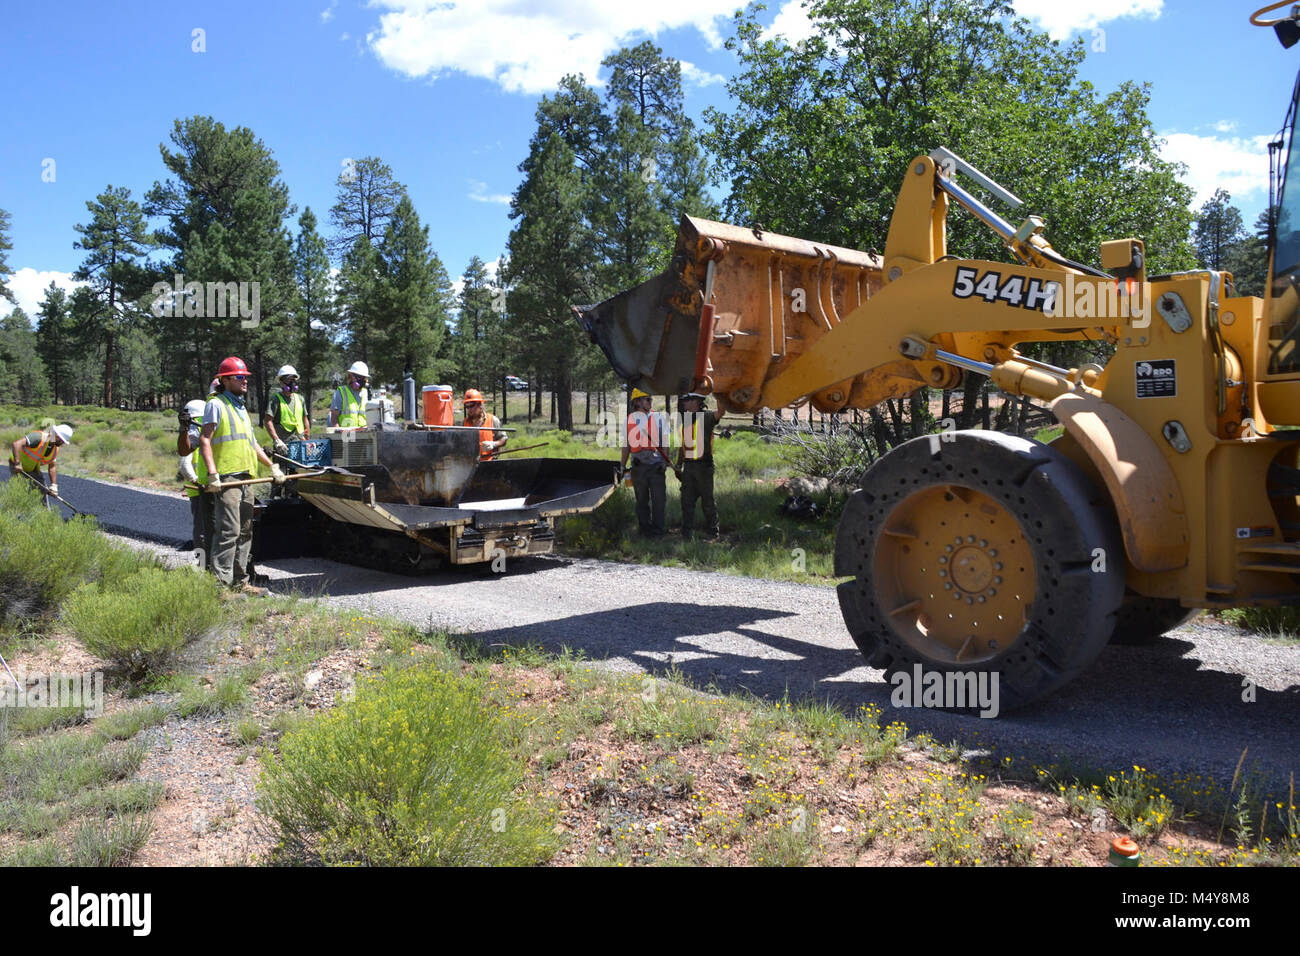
(252, 589)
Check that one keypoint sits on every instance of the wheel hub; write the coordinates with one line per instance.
(955, 574)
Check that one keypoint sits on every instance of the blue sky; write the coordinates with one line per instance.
(445, 94)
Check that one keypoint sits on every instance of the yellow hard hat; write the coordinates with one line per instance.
(637, 393)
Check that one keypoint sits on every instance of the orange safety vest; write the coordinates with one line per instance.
(487, 433)
(642, 432)
(42, 454)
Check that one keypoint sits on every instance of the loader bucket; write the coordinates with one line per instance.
(770, 298)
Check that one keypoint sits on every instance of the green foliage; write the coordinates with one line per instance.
(1281, 622)
(411, 772)
(821, 133)
(142, 623)
(24, 379)
(125, 724)
(1218, 228)
(228, 693)
(43, 558)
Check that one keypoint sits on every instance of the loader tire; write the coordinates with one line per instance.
(1144, 620)
(978, 552)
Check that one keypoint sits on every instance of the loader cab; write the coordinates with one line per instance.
(1283, 310)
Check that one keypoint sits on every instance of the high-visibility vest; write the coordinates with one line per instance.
(694, 436)
(234, 449)
(487, 432)
(639, 427)
(292, 413)
(42, 454)
(352, 414)
(200, 469)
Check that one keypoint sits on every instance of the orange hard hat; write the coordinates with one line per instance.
(473, 395)
(232, 366)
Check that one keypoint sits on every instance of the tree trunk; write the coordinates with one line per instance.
(552, 406)
(108, 369)
(566, 401)
(588, 419)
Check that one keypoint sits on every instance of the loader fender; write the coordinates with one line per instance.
(1142, 486)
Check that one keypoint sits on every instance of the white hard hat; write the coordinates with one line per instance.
(286, 370)
(195, 408)
(359, 368)
(64, 432)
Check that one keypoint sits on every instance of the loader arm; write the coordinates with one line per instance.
(763, 320)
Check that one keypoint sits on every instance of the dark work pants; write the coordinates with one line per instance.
(697, 484)
(648, 481)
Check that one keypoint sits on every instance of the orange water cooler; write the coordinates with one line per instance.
(439, 406)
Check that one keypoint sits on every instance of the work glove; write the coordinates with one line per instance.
(488, 446)
(214, 484)
(183, 417)
(281, 448)
(186, 470)
(54, 488)
(277, 476)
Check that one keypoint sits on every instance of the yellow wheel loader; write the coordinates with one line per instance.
(1176, 483)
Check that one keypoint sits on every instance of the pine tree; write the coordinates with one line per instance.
(115, 242)
(414, 292)
(55, 342)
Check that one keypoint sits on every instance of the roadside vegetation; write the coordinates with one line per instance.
(366, 741)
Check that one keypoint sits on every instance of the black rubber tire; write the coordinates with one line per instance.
(1144, 620)
(1063, 519)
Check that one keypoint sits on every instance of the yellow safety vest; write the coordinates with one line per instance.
(233, 447)
(42, 454)
(694, 437)
(292, 412)
(200, 469)
(352, 414)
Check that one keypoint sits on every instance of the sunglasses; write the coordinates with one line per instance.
(238, 378)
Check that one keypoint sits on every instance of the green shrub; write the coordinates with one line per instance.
(43, 558)
(141, 623)
(103, 446)
(410, 772)
(1277, 621)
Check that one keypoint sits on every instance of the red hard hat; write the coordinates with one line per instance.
(232, 366)
(473, 395)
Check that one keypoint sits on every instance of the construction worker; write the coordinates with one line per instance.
(194, 471)
(348, 408)
(647, 431)
(40, 448)
(490, 438)
(695, 463)
(231, 453)
(286, 418)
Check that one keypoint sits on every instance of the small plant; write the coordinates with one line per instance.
(226, 694)
(110, 841)
(125, 724)
(410, 772)
(1016, 825)
(1137, 802)
(143, 622)
(247, 732)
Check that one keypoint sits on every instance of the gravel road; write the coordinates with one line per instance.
(1175, 707)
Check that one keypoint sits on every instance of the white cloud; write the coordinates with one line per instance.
(1061, 19)
(526, 46)
(1224, 126)
(693, 75)
(327, 14)
(791, 23)
(29, 286)
(1238, 164)
(478, 192)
